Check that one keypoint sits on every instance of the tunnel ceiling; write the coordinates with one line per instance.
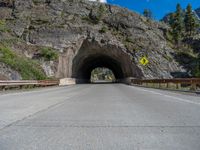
(92, 55)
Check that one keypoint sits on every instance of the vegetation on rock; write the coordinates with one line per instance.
(48, 54)
(148, 14)
(184, 28)
(190, 22)
(183, 23)
(103, 29)
(28, 68)
(3, 27)
(177, 25)
(95, 16)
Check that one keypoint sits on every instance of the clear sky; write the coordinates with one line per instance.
(158, 7)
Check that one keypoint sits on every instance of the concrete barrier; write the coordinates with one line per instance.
(67, 81)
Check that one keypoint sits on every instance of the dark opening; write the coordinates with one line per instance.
(82, 71)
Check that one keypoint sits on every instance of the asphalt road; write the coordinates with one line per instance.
(99, 117)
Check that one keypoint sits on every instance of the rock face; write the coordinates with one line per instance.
(6, 73)
(89, 35)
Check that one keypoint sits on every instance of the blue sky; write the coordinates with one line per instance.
(158, 7)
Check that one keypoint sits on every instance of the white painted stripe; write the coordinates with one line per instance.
(168, 96)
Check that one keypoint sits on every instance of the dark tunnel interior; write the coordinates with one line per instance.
(82, 70)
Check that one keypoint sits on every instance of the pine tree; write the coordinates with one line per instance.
(190, 21)
(148, 13)
(171, 19)
(177, 25)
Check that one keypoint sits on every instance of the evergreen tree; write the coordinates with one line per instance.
(148, 13)
(177, 25)
(171, 19)
(190, 21)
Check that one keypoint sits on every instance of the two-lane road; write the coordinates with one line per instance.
(99, 117)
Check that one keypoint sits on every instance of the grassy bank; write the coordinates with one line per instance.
(28, 68)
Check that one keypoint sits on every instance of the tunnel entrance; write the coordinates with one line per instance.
(102, 75)
(92, 55)
(83, 73)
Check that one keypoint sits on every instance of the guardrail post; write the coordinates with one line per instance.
(167, 85)
(3, 88)
(177, 86)
(159, 85)
(193, 87)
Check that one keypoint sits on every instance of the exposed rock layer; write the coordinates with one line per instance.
(89, 35)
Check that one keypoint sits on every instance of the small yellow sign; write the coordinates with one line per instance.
(144, 61)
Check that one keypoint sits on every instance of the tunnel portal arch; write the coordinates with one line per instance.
(94, 61)
(92, 55)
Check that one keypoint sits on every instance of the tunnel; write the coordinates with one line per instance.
(92, 55)
(84, 70)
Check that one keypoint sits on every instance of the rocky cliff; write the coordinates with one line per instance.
(67, 27)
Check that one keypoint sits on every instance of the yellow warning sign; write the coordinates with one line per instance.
(144, 61)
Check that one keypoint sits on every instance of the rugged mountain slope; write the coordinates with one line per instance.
(189, 53)
(64, 25)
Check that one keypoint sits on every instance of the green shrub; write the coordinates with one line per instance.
(36, 2)
(10, 41)
(3, 27)
(103, 30)
(128, 39)
(100, 13)
(95, 18)
(48, 54)
(101, 10)
(28, 68)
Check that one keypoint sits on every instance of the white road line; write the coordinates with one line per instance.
(169, 96)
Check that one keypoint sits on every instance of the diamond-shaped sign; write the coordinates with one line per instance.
(144, 61)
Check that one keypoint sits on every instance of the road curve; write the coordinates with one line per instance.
(99, 117)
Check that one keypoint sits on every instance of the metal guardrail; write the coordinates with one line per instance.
(179, 83)
(4, 84)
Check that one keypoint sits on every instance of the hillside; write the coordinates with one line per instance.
(39, 38)
(189, 51)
